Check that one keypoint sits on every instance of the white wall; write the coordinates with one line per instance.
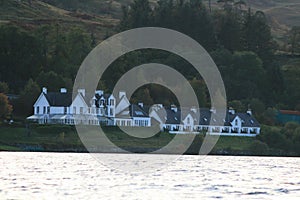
(78, 103)
(41, 103)
(57, 110)
(123, 104)
(188, 122)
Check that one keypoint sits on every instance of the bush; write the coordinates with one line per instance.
(259, 148)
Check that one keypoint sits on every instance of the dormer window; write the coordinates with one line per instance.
(236, 122)
(102, 102)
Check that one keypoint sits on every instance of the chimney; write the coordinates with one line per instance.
(63, 90)
(174, 108)
(249, 112)
(82, 91)
(231, 111)
(44, 90)
(194, 109)
(141, 105)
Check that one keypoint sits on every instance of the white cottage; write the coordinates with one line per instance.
(195, 120)
(59, 108)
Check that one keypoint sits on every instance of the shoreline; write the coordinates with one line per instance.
(86, 152)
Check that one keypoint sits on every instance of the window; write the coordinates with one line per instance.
(236, 122)
(111, 111)
(48, 110)
(138, 113)
(65, 110)
(111, 102)
(44, 110)
(38, 110)
(81, 110)
(102, 102)
(74, 110)
(188, 120)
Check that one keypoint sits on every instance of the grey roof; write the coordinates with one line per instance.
(59, 99)
(137, 111)
(248, 120)
(205, 115)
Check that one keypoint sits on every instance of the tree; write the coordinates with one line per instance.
(269, 116)
(289, 129)
(227, 4)
(237, 105)
(294, 39)
(246, 76)
(200, 91)
(20, 55)
(28, 97)
(51, 80)
(291, 78)
(78, 45)
(142, 95)
(4, 87)
(5, 107)
(240, 4)
(257, 106)
(274, 138)
(257, 35)
(296, 140)
(229, 30)
(259, 148)
(137, 15)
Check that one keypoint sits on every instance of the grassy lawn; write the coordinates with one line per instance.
(64, 137)
(235, 143)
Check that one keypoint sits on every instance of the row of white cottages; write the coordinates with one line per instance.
(108, 110)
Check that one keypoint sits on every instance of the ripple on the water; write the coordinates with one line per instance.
(79, 176)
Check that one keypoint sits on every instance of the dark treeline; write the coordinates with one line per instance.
(238, 39)
(240, 42)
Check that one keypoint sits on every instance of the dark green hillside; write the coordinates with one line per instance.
(38, 13)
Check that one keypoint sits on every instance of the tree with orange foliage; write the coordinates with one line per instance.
(5, 107)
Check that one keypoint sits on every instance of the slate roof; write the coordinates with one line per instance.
(248, 120)
(137, 111)
(58, 99)
(205, 115)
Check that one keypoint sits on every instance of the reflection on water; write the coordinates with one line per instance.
(79, 176)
